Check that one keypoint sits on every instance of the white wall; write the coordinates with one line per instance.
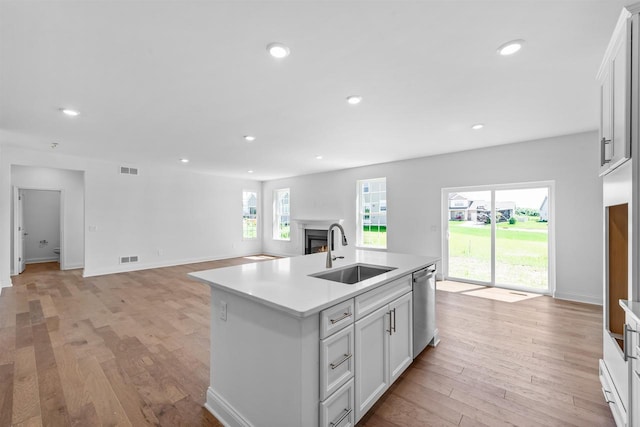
(165, 216)
(414, 206)
(71, 185)
(42, 223)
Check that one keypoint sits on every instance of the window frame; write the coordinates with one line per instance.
(361, 212)
(257, 215)
(277, 214)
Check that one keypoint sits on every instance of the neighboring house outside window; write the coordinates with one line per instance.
(249, 215)
(372, 213)
(281, 215)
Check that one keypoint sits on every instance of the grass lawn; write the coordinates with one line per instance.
(374, 238)
(521, 252)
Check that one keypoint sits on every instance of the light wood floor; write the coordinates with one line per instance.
(133, 349)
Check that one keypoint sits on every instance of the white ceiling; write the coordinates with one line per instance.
(156, 81)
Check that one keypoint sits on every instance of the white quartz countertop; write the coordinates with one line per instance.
(631, 307)
(284, 284)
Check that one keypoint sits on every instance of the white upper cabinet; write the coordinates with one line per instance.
(614, 78)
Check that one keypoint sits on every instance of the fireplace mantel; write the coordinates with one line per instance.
(316, 224)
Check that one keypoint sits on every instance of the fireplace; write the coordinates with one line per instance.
(316, 241)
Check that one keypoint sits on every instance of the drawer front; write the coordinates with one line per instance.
(336, 361)
(611, 396)
(337, 410)
(370, 301)
(334, 318)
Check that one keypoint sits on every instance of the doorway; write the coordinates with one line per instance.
(38, 227)
(500, 235)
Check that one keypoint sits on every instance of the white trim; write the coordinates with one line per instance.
(317, 224)
(40, 260)
(124, 268)
(72, 267)
(578, 298)
(223, 411)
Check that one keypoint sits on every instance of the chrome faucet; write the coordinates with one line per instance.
(330, 241)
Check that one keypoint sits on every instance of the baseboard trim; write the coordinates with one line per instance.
(40, 260)
(223, 411)
(578, 298)
(124, 268)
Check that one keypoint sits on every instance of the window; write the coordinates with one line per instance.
(372, 213)
(281, 213)
(249, 215)
(503, 237)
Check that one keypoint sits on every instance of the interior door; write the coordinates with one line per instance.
(20, 234)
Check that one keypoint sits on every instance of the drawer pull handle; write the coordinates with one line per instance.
(344, 359)
(606, 398)
(344, 415)
(394, 320)
(603, 143)
(344, 316)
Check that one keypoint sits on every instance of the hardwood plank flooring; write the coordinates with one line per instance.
(133, 349)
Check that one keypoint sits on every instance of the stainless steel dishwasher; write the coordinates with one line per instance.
(424, 308)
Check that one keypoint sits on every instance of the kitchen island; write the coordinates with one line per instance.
(290, 349)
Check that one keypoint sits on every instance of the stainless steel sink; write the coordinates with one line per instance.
(353, 273)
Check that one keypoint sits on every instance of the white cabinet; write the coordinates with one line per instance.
(337, 365)
(632, 349)
(336, 361)
(614, 78)
(401, 338)
(383, 348)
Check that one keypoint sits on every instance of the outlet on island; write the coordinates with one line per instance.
(223, 311)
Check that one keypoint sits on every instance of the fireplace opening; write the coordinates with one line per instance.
(316, 241)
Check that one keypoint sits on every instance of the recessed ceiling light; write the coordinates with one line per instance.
(184, 160)
(477, 126)
(249, 138)
(278, 50)
(68, 112)
(509, 48)
(354, 99)
(249, 171)
(318, 157)
(54, 145)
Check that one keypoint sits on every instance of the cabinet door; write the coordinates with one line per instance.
(621, 87)
(371, 350)
(635, 375)
(401, 338)
(606, 118)
(615, 88)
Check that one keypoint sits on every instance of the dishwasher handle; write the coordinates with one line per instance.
(425, 272)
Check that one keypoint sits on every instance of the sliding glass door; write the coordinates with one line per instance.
(470, 236)
(499, 235)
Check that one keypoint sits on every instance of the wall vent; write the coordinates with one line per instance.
(128, 259)
(125, 170)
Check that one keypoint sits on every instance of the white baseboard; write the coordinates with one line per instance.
(71, 266)
(40, 260)
(137, 266)
(578, 298)
(223, 411)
